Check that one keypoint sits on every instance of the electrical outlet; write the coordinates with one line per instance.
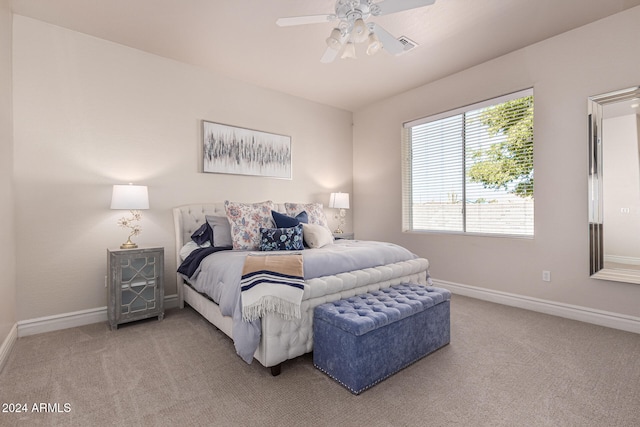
(546, 276)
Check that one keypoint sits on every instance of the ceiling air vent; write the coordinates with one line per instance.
(408, 43)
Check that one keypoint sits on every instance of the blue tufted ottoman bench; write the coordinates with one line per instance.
(362, 340)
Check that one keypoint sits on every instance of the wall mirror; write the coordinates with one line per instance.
(614, 185)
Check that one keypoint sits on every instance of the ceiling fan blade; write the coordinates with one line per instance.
(302, 20)
(389, 42)
(329, 55)
(392, 6)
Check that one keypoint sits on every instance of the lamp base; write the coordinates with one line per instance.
(128, 245)
(342, 221)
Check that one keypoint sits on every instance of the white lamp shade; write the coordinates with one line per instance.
(339, 200)
(360, 31)
(349, 51)
(334, 41)
(132, 197)
(374, 44)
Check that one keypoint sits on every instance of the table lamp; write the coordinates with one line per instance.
(134, 198)
(339, 201)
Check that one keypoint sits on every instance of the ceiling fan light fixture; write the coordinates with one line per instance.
(333, 41)
(360, 31)
(374, 44)
(349, 51)
(351, 27)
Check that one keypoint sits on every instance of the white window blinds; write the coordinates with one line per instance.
(471, 170)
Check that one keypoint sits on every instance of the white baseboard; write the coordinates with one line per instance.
(574, 312)
(171, 301)
(73, 319)
(61, 321)
(7, 345)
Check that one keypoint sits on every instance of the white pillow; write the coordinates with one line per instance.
(190, 247)
(316, 236)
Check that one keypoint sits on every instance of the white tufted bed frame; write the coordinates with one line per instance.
(281, 339)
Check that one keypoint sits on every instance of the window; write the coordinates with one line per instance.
(470, 170)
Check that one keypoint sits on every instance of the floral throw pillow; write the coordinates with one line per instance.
(315, 212)
(281, 239)
(246, 219)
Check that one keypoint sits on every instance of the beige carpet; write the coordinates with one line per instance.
(504, 367)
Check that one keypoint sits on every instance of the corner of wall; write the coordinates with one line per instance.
(8, 327)
(7, 346)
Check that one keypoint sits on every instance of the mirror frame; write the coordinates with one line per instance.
(595, 106)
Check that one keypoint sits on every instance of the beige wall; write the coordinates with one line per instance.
(89, 114)
(7, 246)
(564, 71)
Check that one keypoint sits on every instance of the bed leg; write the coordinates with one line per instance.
(275, 370)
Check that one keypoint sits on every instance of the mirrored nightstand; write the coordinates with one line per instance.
(135, 285)
(346, 236)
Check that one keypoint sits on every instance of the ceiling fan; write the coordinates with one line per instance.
(352, 28)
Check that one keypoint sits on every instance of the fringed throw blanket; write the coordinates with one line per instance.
(272, 284)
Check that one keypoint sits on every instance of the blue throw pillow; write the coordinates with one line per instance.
(203, 234)
(285, 221)
(281, 239)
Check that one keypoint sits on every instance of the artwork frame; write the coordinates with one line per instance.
(236, 150)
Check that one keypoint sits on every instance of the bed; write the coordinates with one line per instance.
(282, 339)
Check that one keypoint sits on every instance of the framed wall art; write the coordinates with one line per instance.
(234, 150)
